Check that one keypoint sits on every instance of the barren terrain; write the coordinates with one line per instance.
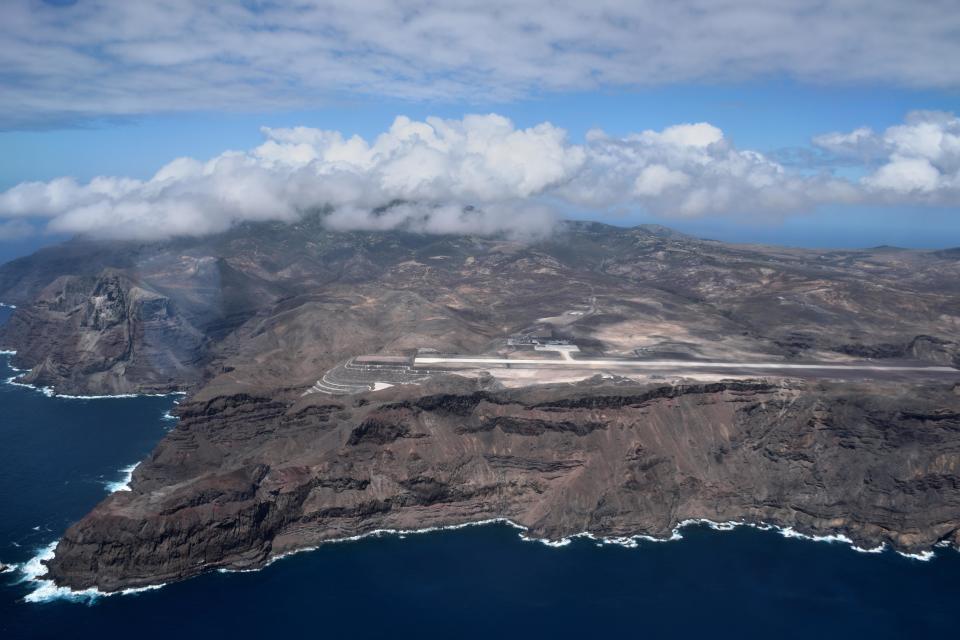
(812, 389)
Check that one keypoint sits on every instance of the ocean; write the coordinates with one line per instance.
(59, 457)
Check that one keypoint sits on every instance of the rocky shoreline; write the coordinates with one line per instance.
(247, 320)
(613, 460)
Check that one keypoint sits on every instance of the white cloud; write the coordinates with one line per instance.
(905, 175)
(523, 219)
(700, 135)
(691, 170)
(442, 166)
(654, 179)
(860, 143)
(917, 161)
(481, 174)
(116, 57)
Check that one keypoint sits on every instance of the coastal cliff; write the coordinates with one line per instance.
(261, 463)
(243, 479)
(105, 334)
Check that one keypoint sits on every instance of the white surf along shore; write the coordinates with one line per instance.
(45, 590)
(127, 472)
(35, 571)
(50, 392)
(123, 484)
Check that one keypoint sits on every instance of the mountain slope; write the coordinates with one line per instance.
(266, 459)
(309, 297)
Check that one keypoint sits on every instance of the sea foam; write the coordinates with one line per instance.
(632, 542)
(47, 391)
(386, 532)
(46, 590)
(119, 395)
(34, 571)
(50, 392)
(124, 483)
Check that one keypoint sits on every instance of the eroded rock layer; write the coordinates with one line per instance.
(249, 320)
(243, 478)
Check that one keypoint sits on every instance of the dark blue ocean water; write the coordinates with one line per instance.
(56, 456)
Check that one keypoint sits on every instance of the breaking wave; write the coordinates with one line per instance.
(34, 571)
(46, 590)
(50, 392)
(632, 542)
(124, 483)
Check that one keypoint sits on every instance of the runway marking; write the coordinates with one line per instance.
(677, 364)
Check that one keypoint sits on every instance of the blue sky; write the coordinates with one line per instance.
(768, 116)
(105, 88)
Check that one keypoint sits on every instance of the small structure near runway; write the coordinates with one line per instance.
(539, 340)
(564, 348)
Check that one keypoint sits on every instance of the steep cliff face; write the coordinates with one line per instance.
(104, 334)
(244, 478)
(249, 319)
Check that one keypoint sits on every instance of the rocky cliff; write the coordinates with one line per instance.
(105, 334)
(248, 320)
(243, 479)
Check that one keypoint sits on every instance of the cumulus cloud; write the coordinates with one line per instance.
(691, 170)
(474, 175)
(481, 174)
(917, 161)
(115, 57)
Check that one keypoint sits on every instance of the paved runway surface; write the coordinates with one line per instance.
(675, 367)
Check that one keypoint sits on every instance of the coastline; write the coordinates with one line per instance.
(34, 569)
(112, 486)
(51, 392)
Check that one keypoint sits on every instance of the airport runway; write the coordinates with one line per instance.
(674, 367)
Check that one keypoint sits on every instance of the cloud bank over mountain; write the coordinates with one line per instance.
(481, 174)
(68, 61)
